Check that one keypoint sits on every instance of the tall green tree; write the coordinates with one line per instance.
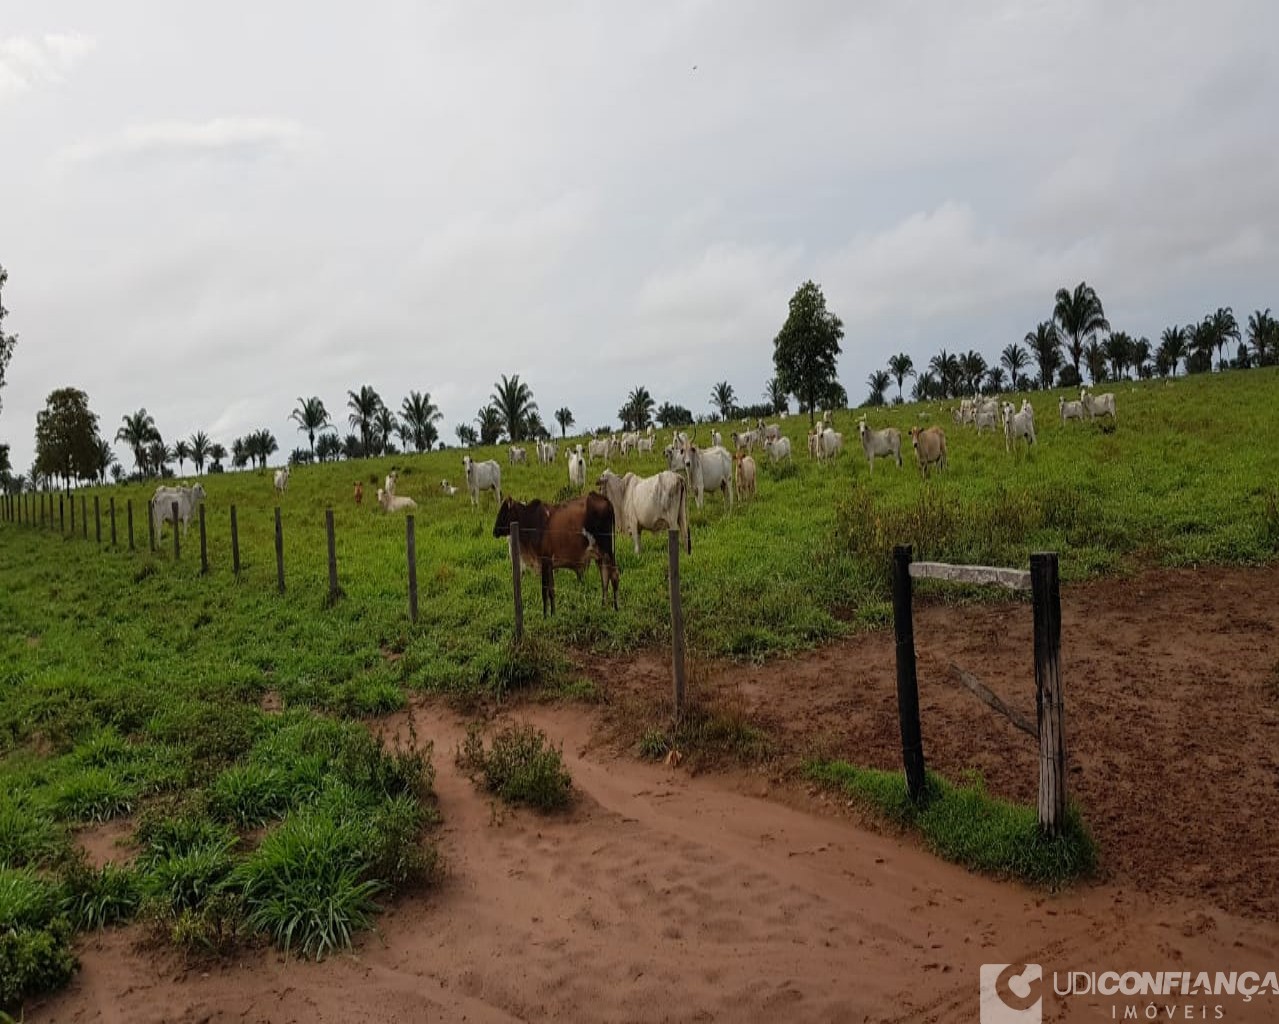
(1080, 316)
(1044, 344)
(364, 405)
(1225, 328)
(564, 417)
(775, 396)
(637, 413)
(1014, 360)
(384, 424)
(201, 448)
(513, 400)
(671, 415)
(8, 342)
(328, 447)
(901, 366)
(1173, 347)
(138, 431)
(806, 349)
(973, 366)
(1094, 359)
(995, 380)
(723, 399)
(181, 452)
(878, 383)
(1118, 349)
(946, 368)
(104, 459)
(1263, 336)
(67, 437)
(490, 424)
(311, 417)
(466, 435)
(419, 415)
(217, 452)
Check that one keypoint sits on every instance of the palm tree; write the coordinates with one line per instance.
(926, 388)
(384, 424)
(1094, 358)
(995, 380)
(1079, 316)
(564, 417)
(1172, 346)
(1139, 357)
(265, 445)
(973, 365)
(158, 455)
(1014, 360)
(103, 458)
(1224, 328)
(418, 417)
(1118, 351)
(198, 447)
(513, 400)
(181, 452)
(138, 431)
(310, 416)
(945, 367)
(878, 383)
(1263, 333)
(466, 435)
(901, 366)
(239, 453)
(328, 448)
(1045, 347)
(1202, 342)
(637, 413)
(775, 396)
(364, 406)
(723, 399)
(489, 420)
(217, 452)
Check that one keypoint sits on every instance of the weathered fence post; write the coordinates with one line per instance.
(907, 681)
(97, 519)
(516, 581)
(151, 523)
(128, 507)
(412, 546)
(279, 550)
(111, 509)
(173, 505)
(42, 508)
(71, 501)
(677, 622)
(204, 545)
(235, 543)
(84, 516)
(1049, 699)
(334, 590)
(62, 514)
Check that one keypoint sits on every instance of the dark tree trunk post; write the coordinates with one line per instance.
(516, 582)
(128, 510)
(62, 514)
(1049, 696)
(174, 507)
(111, 511)
(97, 519)
(84, 516)
(151, 524)
(907, 681)
(204, 545)
(412, 546)
(235, 544)
(334, 590)
(279, 550)
(677, 623)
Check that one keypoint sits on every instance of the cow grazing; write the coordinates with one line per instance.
(188, 500)
(1098, 405)
(482, 476)
(778, 448)
(517, 454)
(576, 469)
(281, 480)
(566, 536)
(1069, 410)
(394, 503)
(597, 448)
(744, 475)
(880, 444)
(650, 503)
(359, 492)
(930, 447)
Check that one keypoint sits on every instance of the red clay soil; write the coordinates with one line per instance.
(665, 895)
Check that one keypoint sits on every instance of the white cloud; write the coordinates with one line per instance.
(246, 135)
(27, 62)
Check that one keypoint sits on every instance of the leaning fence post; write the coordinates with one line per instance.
(677, 621)
(128, 507)
(279, 550)
(516, 582)
(334, 590)
(97, 519)
(1049, 699)
(235, 543)
(84, 516)
(204, 545)
(907, 680)
(412, 546)
(174, 507)
(111, 509)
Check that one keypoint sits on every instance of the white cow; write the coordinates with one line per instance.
(717, 439)
(769, 432)
(1018, 424)
(448, 488)
(778, 448)
(1098, 405)
(546, 452)
(517, 454)
(744, 473)
(188, 499)
(482, 476)
(576, 469)
(389, 485)
(745, 439)
(597, 448)
(281, 480)
(391, 503)
(880, 443)
(629, 441)
(644, 445)
(829, 444)
(651, 503)
(1070, 410)
(710, 469)
(814, 441)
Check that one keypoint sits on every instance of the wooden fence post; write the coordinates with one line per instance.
(97, 519)
(42, 508)
(334, 590)
(412, 546)
(677, 622)
(62, 514)
(173, 505)
(111, 509)
(1049, 698)
(84, 516)
(71, 501)
(279, 550)
(128, 507)
(516, 582)
(907, 681)
(151, 523)
(204, 545)
(235, 543)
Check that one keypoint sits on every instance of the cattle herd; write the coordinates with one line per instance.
(573, 534)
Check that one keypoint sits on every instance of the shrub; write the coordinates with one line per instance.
(94, 899)
(34, 960)
(27, 836)
(186, 878)
(95, 794)
(521, 766)
(26, 899)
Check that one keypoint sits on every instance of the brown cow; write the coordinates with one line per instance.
(930, 447)
(567, 536)
(359, 492)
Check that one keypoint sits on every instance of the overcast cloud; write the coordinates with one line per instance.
(209, 210)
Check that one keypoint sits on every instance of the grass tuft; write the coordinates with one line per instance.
(520, 766)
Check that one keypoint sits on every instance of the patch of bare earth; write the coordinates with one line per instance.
(669, 895)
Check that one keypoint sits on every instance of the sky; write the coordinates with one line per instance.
(211, 210)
